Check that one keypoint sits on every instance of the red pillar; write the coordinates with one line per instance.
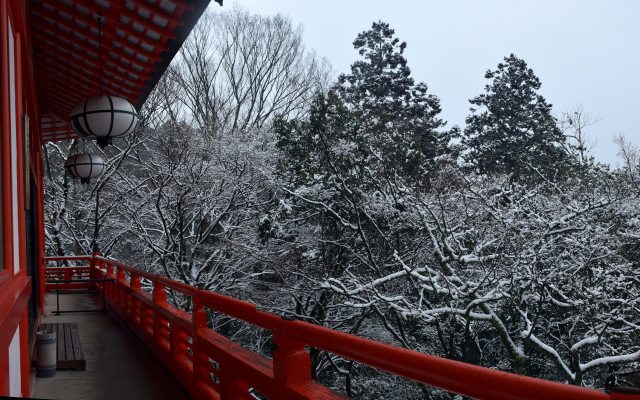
(39, 177)
(5, 143)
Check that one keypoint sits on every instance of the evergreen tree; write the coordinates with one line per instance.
(511, 129)
(319, 148)
(398, 120)
(350, 167)
(375, 131)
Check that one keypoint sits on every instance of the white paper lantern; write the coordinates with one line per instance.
(103, 118)
(84, 166)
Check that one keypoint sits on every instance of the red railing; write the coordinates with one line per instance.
(211, 366)
(68, 272)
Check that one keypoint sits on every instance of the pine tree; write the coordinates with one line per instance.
(350, 164)
(364, 145)
(351, 167)
(398, 120)
(319, 147)
(375, 126)
(511, 129)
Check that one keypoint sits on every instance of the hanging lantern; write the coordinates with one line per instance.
(103, 118)
(84, 166)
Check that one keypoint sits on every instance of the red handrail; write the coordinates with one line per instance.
(212, 366)
(67, 273)
(68, 258)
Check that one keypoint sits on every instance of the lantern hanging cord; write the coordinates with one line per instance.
(74, 147)
(100, 19)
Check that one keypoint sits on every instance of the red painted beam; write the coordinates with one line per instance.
(109, 34)
(54, 34)
(118, 10)
(91, 64)
(60, 83)
(108, 44)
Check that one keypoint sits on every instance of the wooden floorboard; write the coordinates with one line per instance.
(77, 348)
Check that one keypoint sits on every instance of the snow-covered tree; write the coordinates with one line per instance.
(511, 128)
(535, 276)
(82, 218)
(630, 155)
(579, 145)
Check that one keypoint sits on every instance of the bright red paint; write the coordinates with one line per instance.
(14, 289)
(167, 332)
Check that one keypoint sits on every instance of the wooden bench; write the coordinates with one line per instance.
(70, 354)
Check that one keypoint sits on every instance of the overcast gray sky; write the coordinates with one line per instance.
(584, 52)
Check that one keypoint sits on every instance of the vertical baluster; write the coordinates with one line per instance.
(199, 319)
(120, 284)
(135, 281)
(231, 386)
(159, 298)
(110, 286)
(159, 293)
(93, 272)
(291, 362)
(110, 270)
(178, 344)
(135, 310)
(92, 265)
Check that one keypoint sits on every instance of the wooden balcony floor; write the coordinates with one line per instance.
(119, 366)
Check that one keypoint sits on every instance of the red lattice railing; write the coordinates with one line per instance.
(211, 366)
(69, 271)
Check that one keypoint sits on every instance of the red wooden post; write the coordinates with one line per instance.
(120, 284)
(110, 286)
(135, 281)
(231, 386)
(93, 273)
(135, 306)
(159, 297)
(178, 348)
(120, 276)
(199, 319)
(159, 293)
(291, 362)
(110, 272)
